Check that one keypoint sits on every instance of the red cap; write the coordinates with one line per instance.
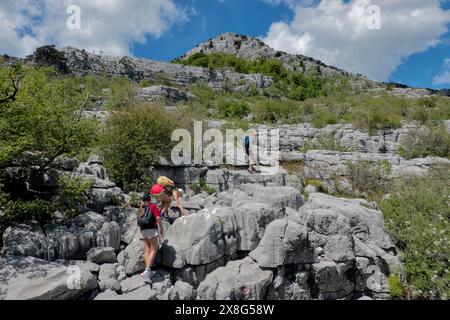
(156, 189)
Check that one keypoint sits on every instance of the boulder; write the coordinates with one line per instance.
(332, 280)
(25, 240)
(109, 235)
(142, 293)
(101, 255)
(284, 242)
(290, 283)
(133, 283)
(181, 291)
(200, 238)
(109, 276)
(132, 258)
(330, 215)
(161, 284)
(28, 278)
(278, 197)
(238, 280)
(252, 219)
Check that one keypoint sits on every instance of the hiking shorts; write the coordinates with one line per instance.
(149, 233)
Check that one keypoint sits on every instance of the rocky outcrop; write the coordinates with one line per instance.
(86, 231)
(238, 280)
(171, 94)
(252, 48)
(82, 63)
(331, 167)
(224, 179)
(27, 278)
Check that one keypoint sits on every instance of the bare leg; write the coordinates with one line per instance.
(153, 250)
(147, 253)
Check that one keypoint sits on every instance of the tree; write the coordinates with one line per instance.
(40, 120)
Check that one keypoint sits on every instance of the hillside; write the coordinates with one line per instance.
(358, 182)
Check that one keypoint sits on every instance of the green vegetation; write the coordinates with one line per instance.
(417, 215)
(201, 185)
(368, 180)
(396, 287)
(122, 94)
(133, 141)
(269, 67)
(293, 85)
(232, 109)
(40, 120)
(72, 193)
(427, 141)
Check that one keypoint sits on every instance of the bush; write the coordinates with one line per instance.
(396, 288)
(367, 179)
(122, 94)
(134, 139)
(273, 111)
(43, 118)
(375, 114)
(431, 141)
(236, 109)
(417, 215)
(323, 116)
(72, 193)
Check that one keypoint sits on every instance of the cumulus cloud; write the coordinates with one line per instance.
(111, 26)
(337, 32)
(444, 76)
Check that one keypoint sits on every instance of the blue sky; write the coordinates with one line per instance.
(411, 45)
(211, 18)
(254, 18)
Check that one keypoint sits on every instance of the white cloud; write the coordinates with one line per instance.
(111, 26)
(444, 76)
(336, 32)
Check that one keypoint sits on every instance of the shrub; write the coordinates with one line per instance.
(17, 211)
(236, 109)
(72, 193)
(396, 287)
(43, 118)
(417, 215)
(431, 141)
(368, 179)
(323, 116)
(134, 139)
(375, 114)
(122, 94)
(145, 83)
(273, 111)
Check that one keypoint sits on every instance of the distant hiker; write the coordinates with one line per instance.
(148, 221)
(165, 190)
(249, 146)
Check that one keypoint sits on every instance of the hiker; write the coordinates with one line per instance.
(249, 143)
(165, 190)
(149, 220)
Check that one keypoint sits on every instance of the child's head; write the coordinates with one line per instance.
(146, 198)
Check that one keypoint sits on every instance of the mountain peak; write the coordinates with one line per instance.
(248, 47)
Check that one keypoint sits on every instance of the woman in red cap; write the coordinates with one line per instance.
(165, 191)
